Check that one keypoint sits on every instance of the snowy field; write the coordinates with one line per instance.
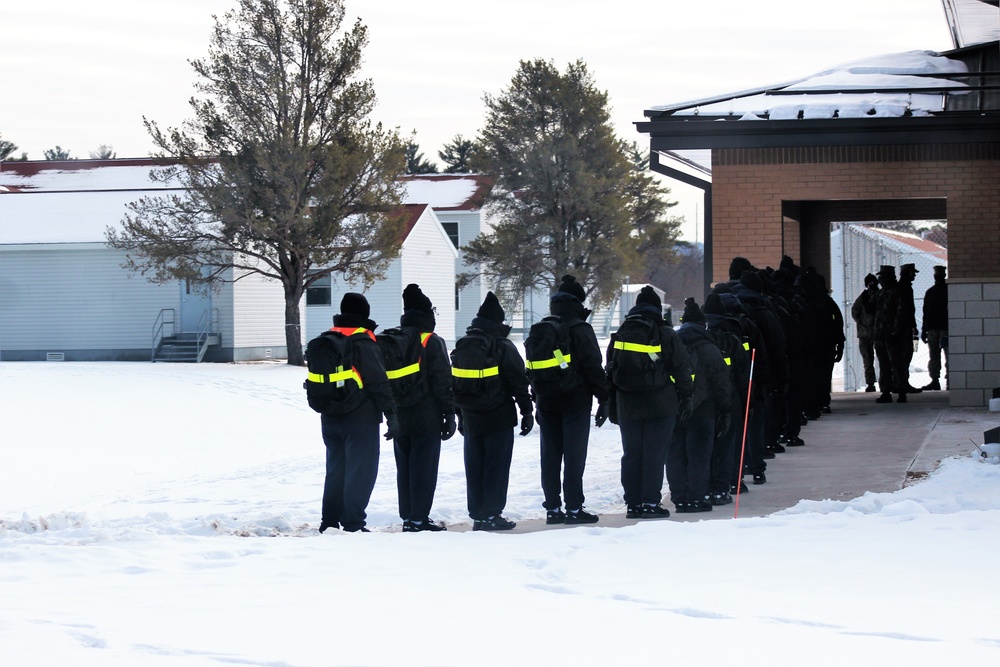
(155, 514)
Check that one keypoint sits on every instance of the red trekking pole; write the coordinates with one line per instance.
(743, 444)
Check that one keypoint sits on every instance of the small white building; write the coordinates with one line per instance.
(64, 293)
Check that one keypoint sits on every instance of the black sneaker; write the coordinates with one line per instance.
(759, 478)
(555, 516)
(700, 506)
(361, 529)
(324, 525)
(885, 397)
(795, 442)
(495, 523)
(428, 526)
(654, 512)
(633, 512)
(682, 508)
(721, 498)
(776, 448)
(826, 410)
(741, 488)
(580, 516)
(901, 399)
(477, 524)
(768, 454)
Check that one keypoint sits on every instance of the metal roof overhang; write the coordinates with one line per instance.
(676, 133)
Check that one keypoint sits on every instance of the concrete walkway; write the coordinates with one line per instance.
(861, 446)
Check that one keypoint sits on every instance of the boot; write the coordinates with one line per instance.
(870, 388)
(885, 397)
(901, 399)
(933, 385)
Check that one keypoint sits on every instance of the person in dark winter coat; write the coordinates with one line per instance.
(863, 313)
(749, 290)
(489, 434)
(647, 418)
(906, 332)
(934, 327)
(827, 347)
(564, 419)
(890, 337)
(725, 327)
(352, 446)
(689, 454)
(422, 427)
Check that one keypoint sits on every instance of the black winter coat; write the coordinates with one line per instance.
(771, 331)
(427, 416)
(586, 358)
(515, 381)
(660, 402)
(936, 307)
(863, 312)
(713, 390)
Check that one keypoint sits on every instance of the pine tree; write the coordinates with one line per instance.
(57, 153)
(283, 173)
(457, 154)
(103, 152)
(415, 162)
(7, 148)
(564, 181)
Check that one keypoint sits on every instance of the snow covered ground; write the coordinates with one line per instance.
(155, 514)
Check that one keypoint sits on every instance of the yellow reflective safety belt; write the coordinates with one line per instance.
(559, 359)
(338, 378)
(475, 373)
(728, 360)
(672, 379)
(652, 350)
(746, 346)
(412, 368)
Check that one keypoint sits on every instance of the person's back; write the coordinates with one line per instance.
(934, 327)
(564, 417)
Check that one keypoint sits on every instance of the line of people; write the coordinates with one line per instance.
(678, 396)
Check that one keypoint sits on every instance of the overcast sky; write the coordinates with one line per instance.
(81, 74)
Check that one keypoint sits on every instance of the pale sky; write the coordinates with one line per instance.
(81, 74)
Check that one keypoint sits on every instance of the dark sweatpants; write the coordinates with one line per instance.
(644, 453)
(487, 471)
(352, 452)
(754, 458)
(689, 458)
(564, 438)
(417, 458)
(724, 459)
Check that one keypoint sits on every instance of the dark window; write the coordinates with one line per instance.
(319, 293)
(451, 228)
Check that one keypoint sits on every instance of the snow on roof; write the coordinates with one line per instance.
(446, 191)
(895, 77)
(79, 176)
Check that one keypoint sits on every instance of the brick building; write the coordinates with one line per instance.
(913, 136)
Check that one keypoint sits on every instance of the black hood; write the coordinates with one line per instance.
(496, 329)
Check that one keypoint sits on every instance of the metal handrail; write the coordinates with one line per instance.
(161, 321)
(205, 326)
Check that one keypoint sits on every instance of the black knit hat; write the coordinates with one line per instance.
(414, 299)
(491, 309)
(788, 263)
(570, 286)
(751, 279)
(713, 305)
(738, 266)
(692, 313)
(649, 296)
(871, 279)
(355, 304)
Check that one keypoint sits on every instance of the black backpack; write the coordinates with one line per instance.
(403, 354)
(635, 362)
(548, 358)
(475, 372)
(333, 385)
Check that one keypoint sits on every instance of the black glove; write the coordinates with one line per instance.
(527, 423)
(686, 408)
(602, 414)
(391, 426)
(448, 425)
(723, 424)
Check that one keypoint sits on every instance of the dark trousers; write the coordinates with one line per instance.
(352, 451)
(885, 376)
(487, 471)
(689, 458)
(417, 458)
(644, 453)
(867, 348)
(900, 354)
(564, 440)
(937, 343)
(754, 458)
(722, 473)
